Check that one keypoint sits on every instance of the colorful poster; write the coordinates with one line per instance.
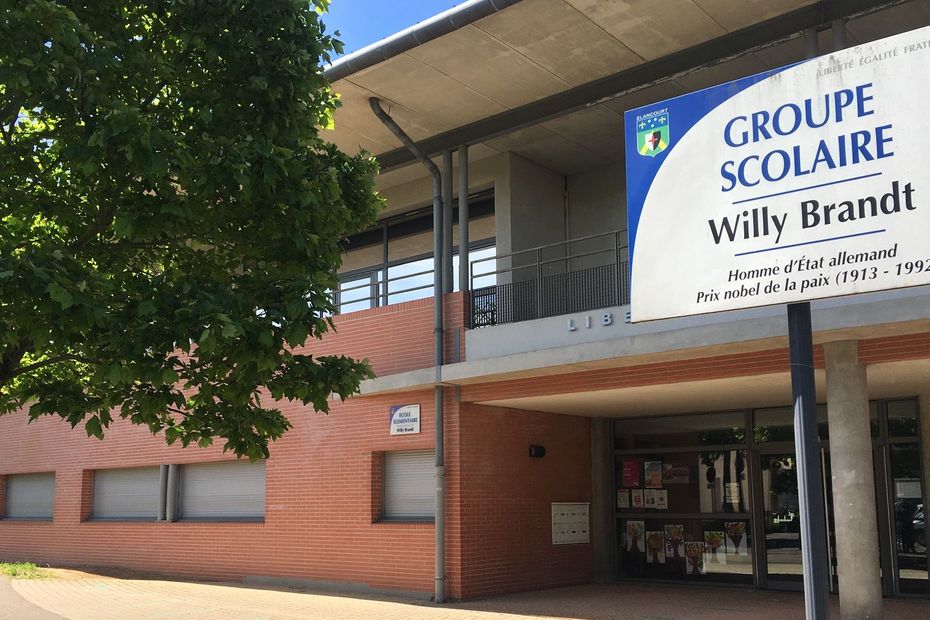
(655, 547)
(649, 499)
(694, 552)
(623, 498)
(636, 498)
(631, 473)
(713, 541)
(676, 474)
(653, 470)
(736, 537)
(635, 536)
(661, 499)
(674, 541)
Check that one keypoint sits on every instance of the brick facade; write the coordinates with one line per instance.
(324, 478)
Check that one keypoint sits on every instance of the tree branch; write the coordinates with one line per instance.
(52, 360)
(102, 221)
(12, 356)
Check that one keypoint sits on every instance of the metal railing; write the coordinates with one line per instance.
(379, 290)
(552, 279)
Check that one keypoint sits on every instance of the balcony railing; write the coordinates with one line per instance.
(581, 274)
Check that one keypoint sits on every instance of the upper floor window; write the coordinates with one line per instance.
(393, 262)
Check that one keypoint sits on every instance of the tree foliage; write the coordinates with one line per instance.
(170, 218)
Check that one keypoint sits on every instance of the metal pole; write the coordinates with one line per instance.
(816, 564)
(440, 472)
(619, 264)
(464, 282)
(539, 281)
(447, 222)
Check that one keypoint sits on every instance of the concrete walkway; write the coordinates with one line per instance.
(15, 607)
(80, 596)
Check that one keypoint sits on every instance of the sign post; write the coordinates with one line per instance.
(816, 563)
(801, 183)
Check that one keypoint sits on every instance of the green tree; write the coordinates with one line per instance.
(170, 218)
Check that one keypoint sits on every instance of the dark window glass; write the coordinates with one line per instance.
(777, 424)
(909, 517)
(902, 418)
(688, 482)
(686, 549)
(695, 430)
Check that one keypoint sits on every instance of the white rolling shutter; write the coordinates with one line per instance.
(130, 493)
(409, 485)
(218, 491)
(30, 496)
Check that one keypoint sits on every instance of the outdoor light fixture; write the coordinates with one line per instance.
(537, 452)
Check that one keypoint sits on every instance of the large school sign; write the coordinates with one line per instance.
(801, 183)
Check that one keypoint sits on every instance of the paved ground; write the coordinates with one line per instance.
(80, 596)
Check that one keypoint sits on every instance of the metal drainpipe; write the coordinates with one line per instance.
(440, 516)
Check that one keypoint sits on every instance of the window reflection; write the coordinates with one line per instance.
(777, 424)
(710, 429)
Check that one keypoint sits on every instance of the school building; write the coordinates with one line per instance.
(521, 433)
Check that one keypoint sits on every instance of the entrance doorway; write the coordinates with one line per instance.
(780, 565)
(727, 482)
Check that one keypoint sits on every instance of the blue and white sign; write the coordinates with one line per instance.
(805, 182)
(405, 419)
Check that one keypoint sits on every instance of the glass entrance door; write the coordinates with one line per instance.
(910, 544)
(781, 552)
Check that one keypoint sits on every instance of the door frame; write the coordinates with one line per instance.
(763, 580)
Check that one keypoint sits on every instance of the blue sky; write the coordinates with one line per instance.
(361, 22)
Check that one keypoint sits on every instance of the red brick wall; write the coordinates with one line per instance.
(318, 515)
(506, 499)
(894, 348)
(394, 338)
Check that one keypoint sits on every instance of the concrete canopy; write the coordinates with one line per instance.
(537, 49)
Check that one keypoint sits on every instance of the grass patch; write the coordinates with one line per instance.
(22, 570)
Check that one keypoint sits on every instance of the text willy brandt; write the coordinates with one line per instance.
(751, 131)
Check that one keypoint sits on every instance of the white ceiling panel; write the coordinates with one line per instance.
(489, 67)
(652, 28)
(556, 36)
(735, 15)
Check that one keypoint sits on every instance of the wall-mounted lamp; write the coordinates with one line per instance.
(537, 452)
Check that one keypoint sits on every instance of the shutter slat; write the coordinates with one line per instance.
(409, 485)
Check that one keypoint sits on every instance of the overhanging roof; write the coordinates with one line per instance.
(524, 78)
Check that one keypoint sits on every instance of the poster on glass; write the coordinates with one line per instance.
(674, 541)
(655, 547)
(713, 548)
(653, 472)
(735, 537)
(694, 552)
(635, 536)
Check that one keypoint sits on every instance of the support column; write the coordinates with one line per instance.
(857, 547)
(603, 539)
